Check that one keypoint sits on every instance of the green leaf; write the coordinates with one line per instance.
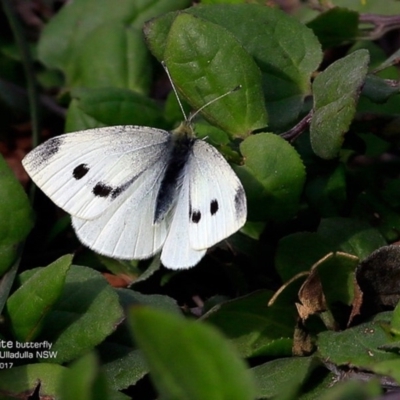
(388, 368)
(389, 7)
(96, 44)
(379, 90)
(353, 390)
(196, 52)
(123, 365)
(283, 375)
(31, 303)
(112, 55)
(273, 177)
(326, 24)
(112, 106)
(337, 286)
(77, 120)
(395, 323)
(298, 252)
(263, 330)
(203, 361)
(350, 236)
(79, 317)
(130, 297)
(336, 91)
(356, 347)
(286, 52)
(83, 380)
(16, 216)
(20, 382)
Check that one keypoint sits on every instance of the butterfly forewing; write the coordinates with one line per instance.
(217, 201)
(85, 172)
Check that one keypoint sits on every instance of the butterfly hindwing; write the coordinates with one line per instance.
(217, 201)
(85, 172)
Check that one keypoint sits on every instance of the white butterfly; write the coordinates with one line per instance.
(134, 190)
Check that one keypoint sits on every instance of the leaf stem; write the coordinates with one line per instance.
(298, 129)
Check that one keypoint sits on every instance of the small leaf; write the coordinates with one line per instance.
(273, 177)
(203, 361)
(28, 305)
(379, 90)
(336, 91)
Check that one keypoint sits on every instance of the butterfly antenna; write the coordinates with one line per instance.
(201, 108)
(213, 100)
(174, 89)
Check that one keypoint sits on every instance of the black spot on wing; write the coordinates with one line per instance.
(80, 171)
(196, 216)
(240, 201)
(214, 206)
(102, 190)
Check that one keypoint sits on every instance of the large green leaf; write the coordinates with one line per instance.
(79, 316)
(284, 375)
(286, 51)
(28, 306)
(205, 61)
(263, 330)
(96, 43)
(111, 106)
(356, 347)
(188, 359)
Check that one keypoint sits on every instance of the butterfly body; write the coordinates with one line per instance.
(134, 190)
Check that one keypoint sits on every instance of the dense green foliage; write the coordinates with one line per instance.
(304, 296)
